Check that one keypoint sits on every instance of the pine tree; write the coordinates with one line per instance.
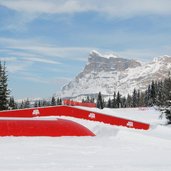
(22, 105)
(118, 100)
(44, 103)
(114, 100)
(12, 103)
(167, 91)
(134, 98)
(60, 101)
(109, 104)
(92, 100)
(159, 94)
(27, 104)
(129, 101)
(138, 98)
(88, 99)
(149, 96)
(36, 104)
(4, 91)
(146, 98)
(53, 101)
(167, 99)
(123, 102)
(142, 99)
(39, 103)
(153, 93)
(100, 103)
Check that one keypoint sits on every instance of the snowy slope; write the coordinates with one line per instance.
(142, 114)
(114, 148)
(109, 73)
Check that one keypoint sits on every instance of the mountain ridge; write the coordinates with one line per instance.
(109, 73)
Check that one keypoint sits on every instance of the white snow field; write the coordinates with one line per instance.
(112, 149)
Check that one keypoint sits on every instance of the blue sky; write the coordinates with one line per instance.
(46, 43)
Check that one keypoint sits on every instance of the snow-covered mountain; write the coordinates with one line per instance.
(109, 73)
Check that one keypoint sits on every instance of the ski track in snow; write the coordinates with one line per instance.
(113, 148)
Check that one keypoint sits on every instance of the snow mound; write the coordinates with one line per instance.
(114, 147)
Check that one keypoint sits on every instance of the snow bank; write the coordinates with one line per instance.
(114, 148)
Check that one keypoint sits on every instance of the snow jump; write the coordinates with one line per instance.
(22, 122)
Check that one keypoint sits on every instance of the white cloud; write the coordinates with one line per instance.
(36, 79)
(25, 57)
(43, 6)
(17, 66)
(33, 77)
(114, 8)
(8, 59)
(29, 10)
(28, 55)
(34, 51)
(37, 51)
(39, 60)
(131, 8)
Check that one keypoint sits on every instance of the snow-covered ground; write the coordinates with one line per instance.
(113, 148)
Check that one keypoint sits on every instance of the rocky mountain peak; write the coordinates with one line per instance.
(109, 73)
(97, 54)
(163, 59)
(98, 62)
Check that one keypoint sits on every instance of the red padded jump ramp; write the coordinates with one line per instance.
(77, 113)
(35, 127)
(96, 116)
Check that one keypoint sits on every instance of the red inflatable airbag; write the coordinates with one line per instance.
(34, 127)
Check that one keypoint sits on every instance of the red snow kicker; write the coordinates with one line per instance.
(34, 127)
(77, 113)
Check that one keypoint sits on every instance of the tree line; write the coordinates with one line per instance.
(8, 102)
(37, 103)
(158, 93)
